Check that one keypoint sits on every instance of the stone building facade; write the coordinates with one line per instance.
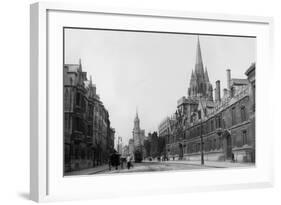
(88, 136)
(226, 124)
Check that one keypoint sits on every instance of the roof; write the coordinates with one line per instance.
(237, 81)
(250, 69)
(207, 103)
(72, 67)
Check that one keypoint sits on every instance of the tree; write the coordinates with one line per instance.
(147, 147)
(161, 146)
(154, 144)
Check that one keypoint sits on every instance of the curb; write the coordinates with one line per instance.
(198, 165)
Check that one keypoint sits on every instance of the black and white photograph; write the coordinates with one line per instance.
(142, 101)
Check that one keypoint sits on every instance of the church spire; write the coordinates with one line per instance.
(199, 62)
(137, 121)
(206, 75)
(137, 115)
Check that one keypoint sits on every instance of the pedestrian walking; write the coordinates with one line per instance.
(128, 162)
(123, 159)
(131, 162)
(116, 160)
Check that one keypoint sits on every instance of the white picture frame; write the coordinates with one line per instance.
(46, 179)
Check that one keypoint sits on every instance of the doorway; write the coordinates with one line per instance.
(228, 147)
(180, 151)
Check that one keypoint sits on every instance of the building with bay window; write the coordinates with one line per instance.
(88, 136)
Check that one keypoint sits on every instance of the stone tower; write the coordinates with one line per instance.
(137, 122)
(138, 133)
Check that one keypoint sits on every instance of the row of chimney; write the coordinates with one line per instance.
(225, 90)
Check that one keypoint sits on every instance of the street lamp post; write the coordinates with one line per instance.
(201, 139)
(118, 140)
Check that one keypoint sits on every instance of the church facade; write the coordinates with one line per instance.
(223, 126)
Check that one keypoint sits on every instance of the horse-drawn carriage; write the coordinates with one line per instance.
(114, 160)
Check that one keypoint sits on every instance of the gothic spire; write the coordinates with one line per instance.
(199, 62)
(206, 75)
(137, 114)
(192, 75)
(192, 78)
(80, 64)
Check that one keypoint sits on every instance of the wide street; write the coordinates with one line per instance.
(152, 166)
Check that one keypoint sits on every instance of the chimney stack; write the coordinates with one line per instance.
(225, 92)
(228, 76)
(218, 91)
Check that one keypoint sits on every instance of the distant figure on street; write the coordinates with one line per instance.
(232, 157)
(116, 160)
(111, 161)
(122, 159)
(128, 162)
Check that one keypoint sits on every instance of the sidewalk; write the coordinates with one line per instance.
(89, 171)
(213, 164)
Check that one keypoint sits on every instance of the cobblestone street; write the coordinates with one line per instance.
(160, 166)
(155, 166)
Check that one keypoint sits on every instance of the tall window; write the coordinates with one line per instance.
(78, 99)
(233, 116)
(219, 120)
(212, 125)
(243, 114)
(215, 144)
(76, 152)
(66, 99)
(66, 123)
(67, 154)
(220, 143)
(254, 95)
(244, 137)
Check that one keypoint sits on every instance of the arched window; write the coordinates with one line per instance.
(212, 125)
(66, 99)
(215, 144)
(243, 114)
(233, 115)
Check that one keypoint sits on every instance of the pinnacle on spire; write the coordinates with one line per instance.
(137, 114)
(192, 78)
(91, 83)
(199, 62)
(206, 75)
(80, 64)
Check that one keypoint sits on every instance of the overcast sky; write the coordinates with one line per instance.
(151, 71)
